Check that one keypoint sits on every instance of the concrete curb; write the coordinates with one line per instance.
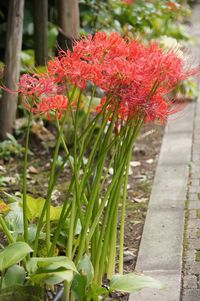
(160, 253)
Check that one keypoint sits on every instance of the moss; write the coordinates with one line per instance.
(198, 233)
(185, 238)
(198, 213)
(197, 258)
(145, 186)
(138, 210)
(198, 195)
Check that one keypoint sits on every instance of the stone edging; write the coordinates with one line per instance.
(160, 253)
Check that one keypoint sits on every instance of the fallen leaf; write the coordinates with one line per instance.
(149, 161)
(146, 134)
(2, 169)
(140, 200)
(4, 207)
(135, 163)
(33, 170)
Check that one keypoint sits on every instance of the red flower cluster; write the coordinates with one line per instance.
(134, 77)
(129, 2)
(57, 103)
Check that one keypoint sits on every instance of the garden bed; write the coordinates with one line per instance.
(141, 176)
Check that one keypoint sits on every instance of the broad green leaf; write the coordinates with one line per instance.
(95, 291)
(54, 262)
(35, 206)
(52, 277)
(15, 275)
(132, 282)
(85, 268)
(79, 286)
(14, 218)
(13, 253)
(22, 293)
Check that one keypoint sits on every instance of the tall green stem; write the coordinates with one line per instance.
(46, 208)
(6, 230)
(123, 211)
(25, 219)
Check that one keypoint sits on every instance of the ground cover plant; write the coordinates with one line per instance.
(135, 81)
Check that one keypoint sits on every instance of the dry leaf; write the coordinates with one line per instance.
(4, 207)
(33, 170)
(135, 163)
(149, 161)
(42, 133)
(140, 200)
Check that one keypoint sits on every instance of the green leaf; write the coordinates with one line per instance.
(35, 206)
(14, 218)
(85, 268)
(13, 253)
(15, 275)
(79, 286)
(132, 282)
(52, 277)
(53, 262)
(22, 293)
(95, 291)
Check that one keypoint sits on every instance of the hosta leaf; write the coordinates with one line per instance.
(85, 268)
(35, 206)
(14, 218)
(13, 253)
(52, 262)
(132, 282)
(79, 286)
(52, 277)
(15, 275)
(22, 293)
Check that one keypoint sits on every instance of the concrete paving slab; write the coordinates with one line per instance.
(176, 148)
(161, 245)
(170, 186)
(160, 252)
(181, 122)
(170, 292)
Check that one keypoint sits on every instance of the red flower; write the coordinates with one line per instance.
(129, 2)
(36, 85)
(134, 77)
(53, 104)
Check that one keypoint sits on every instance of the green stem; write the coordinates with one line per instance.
(47, 204)
(25, 219)
(94, 193)
(123, 212)
(6, 230)
(1, 282)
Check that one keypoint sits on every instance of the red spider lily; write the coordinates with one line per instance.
(129, 2)
(173, 5)
(36, 85)
(49, 105)
(136, 77)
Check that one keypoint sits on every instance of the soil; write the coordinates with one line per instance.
(145, 156)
